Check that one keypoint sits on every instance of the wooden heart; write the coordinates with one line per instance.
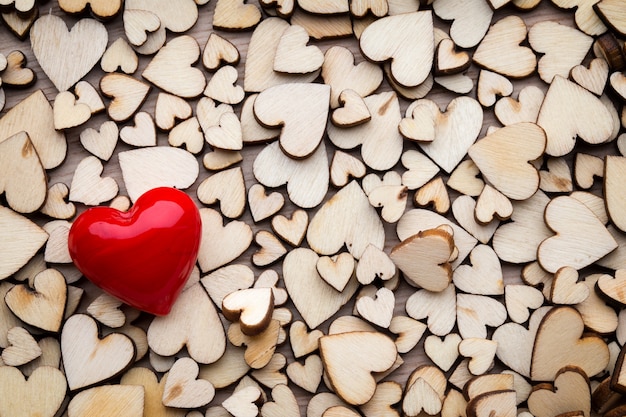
(519, 299)
(143, 133)
(22, 348)
(500, 50)
(525, 109)
(183, 390)
(492, 204)
(378, 310)
(42, 394)
(87, 175)
(293, 56)
(593, 78)
(291, 230)
(66, 56)
(217, 51)
(334, 225)
(102, 9)
(484, 276)
(148, 168)
(470, 20)
(353, 110)
(44, 306)
(23, 178)
(380, 140)
(406, 40)
(97, 400)
(502, 403)
(475, 312)
(221, 244)
(566, 289)
(305, 286)
(283, 403)
(369, 352)
(511, 172)
(421, 398)
(481, 353)
(302, 341)
(294, 107)
(307, 179)
(228, 188)
(439, 308)
(128, 94)
(409, 332)
(561, 330)
(223, 86)
(260, 349)
(570, 392)
(16, 74)
(464, 209)
(585, 117)
(17, 252)
(226, 280)
(341, 74)
(448, 61)
(449, 143)
(177, 17)
(168, 109)
(167, 335)
(307, 376)
(138, 24)
(490, 85)
(263, 206)
(252, 307)
(102, 142)
(560, 250)
(558, 59)
(235, 15)
(56, 204)
(87, 359)
(243, 403)
(444, 352)
(119, 55)
(171, 69)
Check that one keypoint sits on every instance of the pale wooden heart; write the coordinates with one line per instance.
(503, 402)
(22, 348)
(42, 307)
(593, 78)
(515, 342)
(586, 232)
(307, 376)
(219, 50)
(143, 133)
(98, 400)
(66, 56)
(226, 134)
(167, 335)
(336, 270)
(560, 342)
(68, 113)
(106, 309)
(138, 24)
(448, 61)
(503, 159)
(259, 71)
(484, 276)
(56, 204)
(168, 109)
(228, 188)
(293, 56)
(558, 57)
(271, 249)
(463, 210)
(235, 15)
(350, 376)
(128, 94)
(406, 40)
(302, 341)
(449, 144)
(177, 17)
(353, 112)
(23, 239)
(420, 169)
(421, 398)
(438, 308)
(380, 140)
(612, 287)
(100, 143)
(519, 299)
(375, 264)
(243, 403)
(525, 109)
(87, 94)
(261, 205)
(470, 20)
(585, 117)
(566, 289)
(301, 110)
(444, 352)
(417, 220)
(341, 74)
(16, 74)
(260, 349)
(283, 403)
(423, 258)
(475, 312)
(335, 224)
(492, 204)
(88, 187)
(305, 287)
(57, 248)
(171, 69)
(570, 392)
(23, 179)
(223, 86)
(159, 166)
(226, 280)
(42, 394)
(434, 193)
(217, 159)
(221, 244)
(491, 84)
(481, 353)
(252, 307)
(408, 330)
(87, 359)
(291, 230)
(500, 50)
(119, 55)
(378, 310)
(183, 390)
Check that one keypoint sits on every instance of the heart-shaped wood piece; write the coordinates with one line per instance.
(107, 246)
(42, 394)
(183, 390)
(569, 393)
(66, 56)
(252, 307)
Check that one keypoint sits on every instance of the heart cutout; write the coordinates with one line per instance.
(444, 352)
(484, 276)
(100, 143)
(252, 307)
(470, 20)
(293, 56)
(183, 390)
(475, 312)
(307, 376)
(66, 56)
(570, 392)
(88, 186)
(106, 227)
(42, 394)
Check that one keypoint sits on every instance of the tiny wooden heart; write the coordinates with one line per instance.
(293, 56)
(470, 20)
(302, 341)
(378, 310)
(22, 348)
(119, 55)
(102, 142)
(252, 307)
(291, 230)
(566, 289)
(307, 376)
(42, 394)
(271, 249)
(438, 308)
(228, 188)
(283, 403)
(570, 392)
(88, 187)
(261, 205)
(183, 390)
(475, 312)
(128, 94)
(143, 133)
(221, 244)
(444, 352)
(481, 353)
(484, 276)
(219, 50)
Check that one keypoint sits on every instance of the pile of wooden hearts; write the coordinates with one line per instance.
(510, 269)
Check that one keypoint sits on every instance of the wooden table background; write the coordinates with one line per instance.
(201, 31)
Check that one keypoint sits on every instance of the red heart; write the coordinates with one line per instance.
(143, 256)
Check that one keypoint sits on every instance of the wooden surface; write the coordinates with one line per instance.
(201, 30)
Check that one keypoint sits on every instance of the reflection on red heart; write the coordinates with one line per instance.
(143, 256)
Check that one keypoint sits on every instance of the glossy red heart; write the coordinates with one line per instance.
(143, 256)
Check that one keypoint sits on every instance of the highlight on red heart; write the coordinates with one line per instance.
(143, 256)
